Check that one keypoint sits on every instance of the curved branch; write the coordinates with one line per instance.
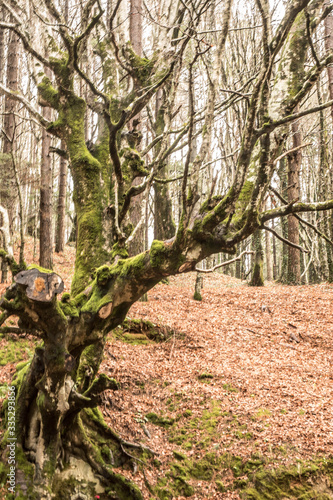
(20, 98)
(272, 125)
(279, 237)
(12, 12)
(246, 252)
(316, 230)
(294, 209)
(26, 43)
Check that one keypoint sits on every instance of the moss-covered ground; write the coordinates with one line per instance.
(13, 350)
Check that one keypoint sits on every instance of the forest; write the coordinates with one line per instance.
(166, 249)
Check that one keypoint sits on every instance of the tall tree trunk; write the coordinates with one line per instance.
(2, 75)
(7, 189)
(61, 215)
(294, 167)
(328, 23)
(136, 26)
(275, 265)
(269, 260)
(198, 286)
(257, 271)
(283, 275)
(136, 213)
(45, 214)
(164, 226)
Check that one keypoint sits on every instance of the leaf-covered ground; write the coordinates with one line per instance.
(243, 386)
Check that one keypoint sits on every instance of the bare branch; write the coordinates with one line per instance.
(246, 252)
(322, 235)
(20, 98)
(8, 247)
(12, 12)
(269, 127)
(290, 151)
(26, 43)
(267, 228)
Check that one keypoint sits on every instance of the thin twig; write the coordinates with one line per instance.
(284, 239)
(246, 252)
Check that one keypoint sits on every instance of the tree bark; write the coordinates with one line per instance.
(137, 245)
(294, 168)
(258, 264)
(61, 215)
(164, 226)
(136, 26)
(269, 260)
(45, 210)
(328, 23)
(283, 274)
(7, 190)
(198, 286)
(58, 393)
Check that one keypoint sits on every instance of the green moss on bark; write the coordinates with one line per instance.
(48, 93)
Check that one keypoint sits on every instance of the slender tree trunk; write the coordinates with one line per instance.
(323, 192)
(7, 189)
(136, 213)
(198, 286)
(61, 215)
(328, 23)
(238, 268)
(257, 271)
(284, 224)
(45, 214)
(294, 167)
(136, 26)
(275, 266)
(164, 226)
(269, 261)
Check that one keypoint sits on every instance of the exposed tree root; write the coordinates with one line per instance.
(81, 445)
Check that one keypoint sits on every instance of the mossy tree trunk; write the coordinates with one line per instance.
(198, 286)
(257, 278)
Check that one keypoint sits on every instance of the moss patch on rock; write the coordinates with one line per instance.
(311, 481)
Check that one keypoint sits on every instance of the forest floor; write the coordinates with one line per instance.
(244, 385)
